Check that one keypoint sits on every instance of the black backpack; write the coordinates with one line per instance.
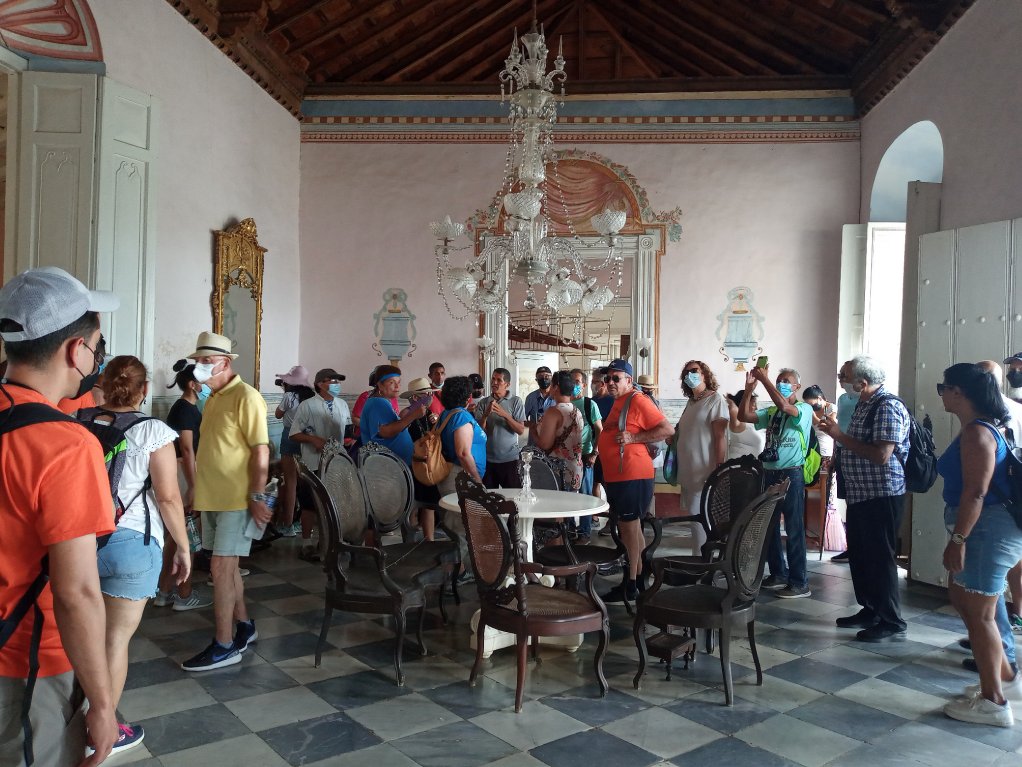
(16, 417)
(110, 429)
(921, 463)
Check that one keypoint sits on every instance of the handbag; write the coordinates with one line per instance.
(670, 470)
(428, 463)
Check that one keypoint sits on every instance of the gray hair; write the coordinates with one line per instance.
(868, 368)
(790, 371)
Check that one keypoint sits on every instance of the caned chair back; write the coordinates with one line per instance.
(729, 490)
(344, 484)
(330, 520)
(546, 471)
(388, 484)
(746, 543)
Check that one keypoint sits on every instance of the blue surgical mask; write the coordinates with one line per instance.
(784, 389)
(693, 379)
(334, 389)
(204, 393)
(577, 391)
(101, 366)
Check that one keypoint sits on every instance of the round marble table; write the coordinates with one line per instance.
(549, 504)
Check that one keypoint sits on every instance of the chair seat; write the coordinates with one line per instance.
(550, 606)
(363, 578)
(690, 605)
(425, 553)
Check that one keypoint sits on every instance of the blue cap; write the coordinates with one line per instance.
(623, 366)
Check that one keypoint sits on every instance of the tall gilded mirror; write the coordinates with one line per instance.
(238, 294)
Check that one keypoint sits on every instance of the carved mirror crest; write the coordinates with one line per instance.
(237, 298)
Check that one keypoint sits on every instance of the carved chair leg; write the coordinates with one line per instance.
(454, 583)
(522, 652)
(638, 629)
(601, 651)
(422, 623)
(321, 644)
(755, 652)
(725, 662)
(534, 641)
(440, 602)
(399, 620)
(480, 631)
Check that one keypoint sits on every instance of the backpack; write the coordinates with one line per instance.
(921, 464)
(17, 416)
(1013, 461)
(111, 432)
(428, 463)
(812, 461)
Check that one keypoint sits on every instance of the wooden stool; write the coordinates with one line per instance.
(667, 647)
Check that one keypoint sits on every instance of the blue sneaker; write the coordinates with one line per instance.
(213, 657)
(244, 635)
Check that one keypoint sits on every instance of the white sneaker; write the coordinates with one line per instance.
(163, 600)
(979, 710)
(1012, 690)
(193, 602)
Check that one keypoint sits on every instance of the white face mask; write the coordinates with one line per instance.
(204, 371)
(849, 388)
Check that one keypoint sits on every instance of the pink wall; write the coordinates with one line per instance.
(767, 216)
(227, 151)
(968, 86)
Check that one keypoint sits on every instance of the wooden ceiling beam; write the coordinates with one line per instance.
(813, 58)
(655, 39)
(332, 29)
(710, 43)
(861, 12)
(623, 45)
(407, 59)
(834, 27)
(492, 62)
(278, 24)
(414, 13)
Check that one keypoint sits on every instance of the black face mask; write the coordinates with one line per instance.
(544, 383)
(1015, 378)
(86, 384)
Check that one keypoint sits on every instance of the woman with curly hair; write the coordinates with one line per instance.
(701, 437)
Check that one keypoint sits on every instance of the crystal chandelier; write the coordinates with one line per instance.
(558, 279)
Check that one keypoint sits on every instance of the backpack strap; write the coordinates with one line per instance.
(441, 425)
(622, 423)
(587, 404)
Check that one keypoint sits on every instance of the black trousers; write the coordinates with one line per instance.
(872, 529)
(502, 475)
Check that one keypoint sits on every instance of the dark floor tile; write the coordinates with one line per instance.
(848, 718)
(156, 671)
(187, 729)
(381, 654)
(359, 689)
(816, 675)
(726, 752)
(771, 612)
(312, 620)
(315, 739)
(465, 701)
(461, 744)
(243, 680)
(707, 709)
(582, 748)
(275, 649)
(922, 598)
(904, 649)
(793, 641)
(704, 669)
(935, 681)
(940, 621)
(585, 705)
(278, 591)
(190, 642)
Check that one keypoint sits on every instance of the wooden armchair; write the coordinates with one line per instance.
(509, 598)
(707, 604)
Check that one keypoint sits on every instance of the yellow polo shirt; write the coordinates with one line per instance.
(233, 422)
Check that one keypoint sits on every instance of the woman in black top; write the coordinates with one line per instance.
(185, 418)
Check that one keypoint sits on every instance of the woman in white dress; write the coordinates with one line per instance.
(743, 438)
(701, 436)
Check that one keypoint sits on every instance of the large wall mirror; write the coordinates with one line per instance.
(238, 294)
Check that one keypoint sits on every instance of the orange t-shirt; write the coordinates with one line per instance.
(53, 488)
(70, 406)
(643, 415)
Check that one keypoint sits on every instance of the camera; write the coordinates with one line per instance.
(769, 455)
(278, 382)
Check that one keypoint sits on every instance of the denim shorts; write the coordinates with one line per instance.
(629, 500)
(288, 446)
(994, 546)
(223, 533)
(127, 567)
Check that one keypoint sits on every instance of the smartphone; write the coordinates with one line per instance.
(763, 361)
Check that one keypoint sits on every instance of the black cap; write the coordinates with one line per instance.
(327, 373)
(543, 369)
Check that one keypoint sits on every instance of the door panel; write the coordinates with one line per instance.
(981, 303)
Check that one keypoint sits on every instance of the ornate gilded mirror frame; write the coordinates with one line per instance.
(238, 264)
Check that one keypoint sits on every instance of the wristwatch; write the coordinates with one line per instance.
(957, 539)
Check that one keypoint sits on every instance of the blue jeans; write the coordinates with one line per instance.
(793, 509)
(585, 523)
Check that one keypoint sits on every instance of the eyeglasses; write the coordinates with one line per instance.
(97, 353)
(941, 388)
(615, 379)
(690, 370)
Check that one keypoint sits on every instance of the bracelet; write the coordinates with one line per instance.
(958, 539)
(255, 497)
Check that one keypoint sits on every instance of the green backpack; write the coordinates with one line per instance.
(811, 452)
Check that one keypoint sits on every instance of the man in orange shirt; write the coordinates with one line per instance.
(55, 500)
(627, 466)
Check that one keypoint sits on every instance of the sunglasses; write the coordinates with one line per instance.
(615, 379)
(941, 388)
(690, 370)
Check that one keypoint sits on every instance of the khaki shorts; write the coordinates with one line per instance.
(57, 716)
(223, 533)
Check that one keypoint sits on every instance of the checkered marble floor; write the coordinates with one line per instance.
(825, 700)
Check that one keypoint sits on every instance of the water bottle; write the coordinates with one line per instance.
(253, 529)
(194, 538)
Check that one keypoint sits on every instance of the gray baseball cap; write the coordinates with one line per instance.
(47, 299)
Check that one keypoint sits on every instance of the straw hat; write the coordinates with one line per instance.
(213, 345)
(646, 381)
(417, 387)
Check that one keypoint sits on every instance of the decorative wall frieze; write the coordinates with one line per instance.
(59, 29)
